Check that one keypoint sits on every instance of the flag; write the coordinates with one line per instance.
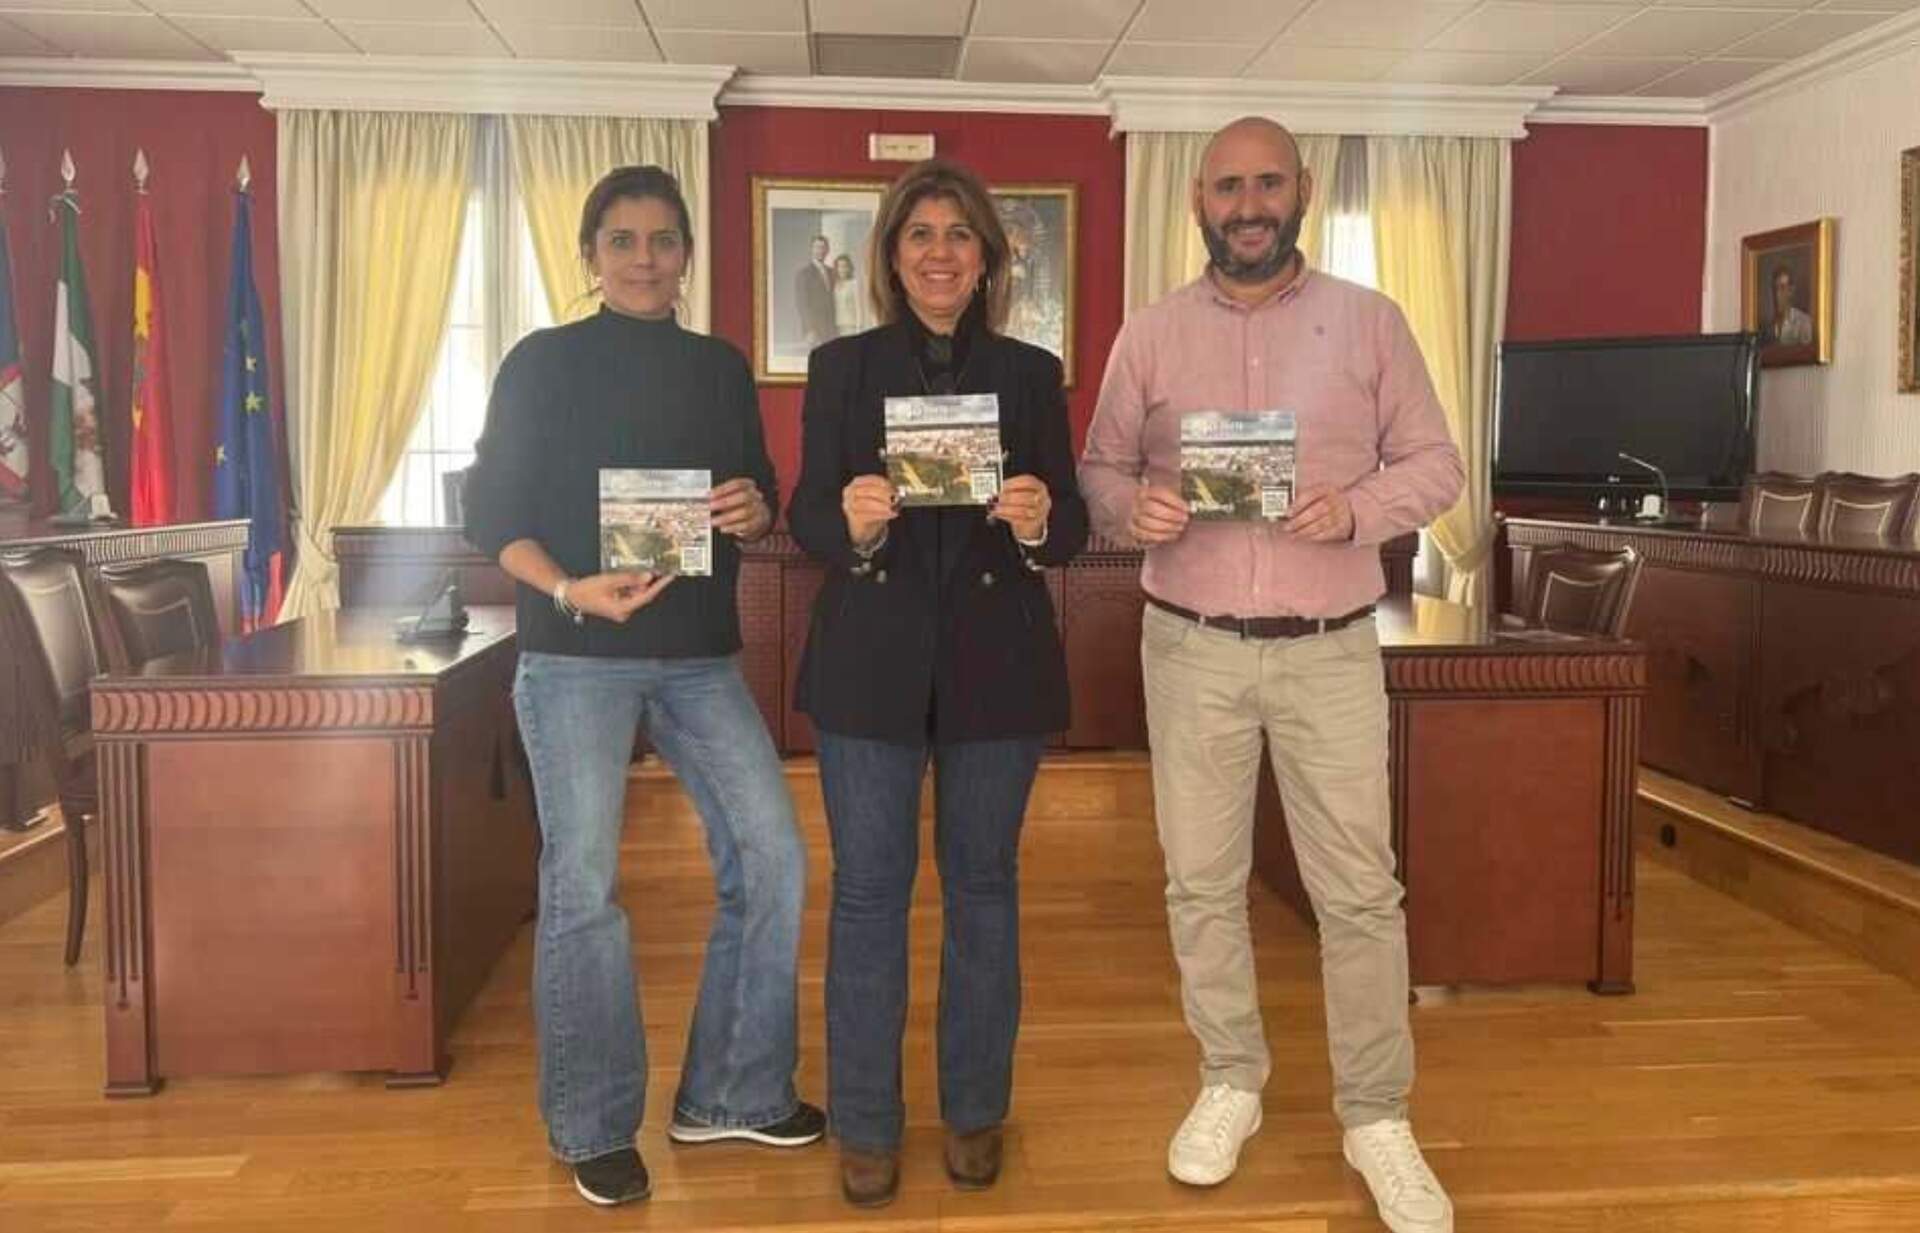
(78, 446)
(13, 394)
(246, 475)
(152, 469)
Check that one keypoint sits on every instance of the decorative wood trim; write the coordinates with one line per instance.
(1615, 960)
(44, 72)
(110, 547)
(1891, 570)
(904, 94)
(1631, 109)
(1186, 105)
(1533, 671)
(176, 708)
(484, 86)
(413, 866)
(123, 847)
(444, 544)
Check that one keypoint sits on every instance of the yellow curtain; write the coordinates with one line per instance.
(371, 211)
(557, 160)
(1164, 246)
(1441, 210)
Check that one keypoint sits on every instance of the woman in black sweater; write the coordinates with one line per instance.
(603, 651)
(933, 637)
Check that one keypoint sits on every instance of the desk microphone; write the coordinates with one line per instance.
(1665, 504)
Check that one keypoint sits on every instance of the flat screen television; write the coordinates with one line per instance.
(1565, 411)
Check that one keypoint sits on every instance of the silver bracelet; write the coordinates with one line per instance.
(564, 606)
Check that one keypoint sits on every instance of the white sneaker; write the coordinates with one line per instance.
(1206, 1148)
(1404, 1188)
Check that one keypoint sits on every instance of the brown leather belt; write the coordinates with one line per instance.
(1265, 627)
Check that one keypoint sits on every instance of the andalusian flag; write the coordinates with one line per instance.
(13, 394)
(152, 478)
(78, 445)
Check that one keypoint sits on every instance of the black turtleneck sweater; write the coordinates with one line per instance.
(614, 391)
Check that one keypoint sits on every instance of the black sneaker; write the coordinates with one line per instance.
(799, 1128)
(612, 1179)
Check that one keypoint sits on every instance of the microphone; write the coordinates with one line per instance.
(1665, 504)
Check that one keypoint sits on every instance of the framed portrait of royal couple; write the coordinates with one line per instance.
(1786, 293)
(810, 257)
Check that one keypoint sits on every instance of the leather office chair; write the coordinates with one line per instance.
(160, 608)
(1774, 503)
(52, 588)
(1581, 590)
(1864, 506)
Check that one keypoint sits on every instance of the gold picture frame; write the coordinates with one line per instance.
(792, 315)
(1909, 348)
(1786, 293)
(1042, 222)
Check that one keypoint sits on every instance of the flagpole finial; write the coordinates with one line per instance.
(245, 178)
(140, 170)
(66, 168)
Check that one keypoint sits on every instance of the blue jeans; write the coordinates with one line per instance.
(578, 716)
(872, 791)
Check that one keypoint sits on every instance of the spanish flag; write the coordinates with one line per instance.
(152, 462)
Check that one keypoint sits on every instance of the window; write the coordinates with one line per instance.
(497, 299)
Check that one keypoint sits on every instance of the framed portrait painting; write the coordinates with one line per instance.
(1909, 348)
(1042, 226)
(1786, 293)
(809, 269)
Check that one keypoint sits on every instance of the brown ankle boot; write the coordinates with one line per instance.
(973, 1160)
(869, 1179)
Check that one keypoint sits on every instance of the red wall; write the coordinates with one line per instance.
(1004, 149)
(1609, 231)
(194, 142)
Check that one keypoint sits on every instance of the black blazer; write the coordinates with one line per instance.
(902, 638)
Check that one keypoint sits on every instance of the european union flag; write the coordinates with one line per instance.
(246, 473)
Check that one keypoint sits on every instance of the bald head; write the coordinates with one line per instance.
(1250, 199)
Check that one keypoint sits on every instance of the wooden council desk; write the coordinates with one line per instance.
(316, 842)
(1512, 757)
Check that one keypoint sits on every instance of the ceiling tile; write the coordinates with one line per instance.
(757, 53)
(1528, 27)
(264, 34)
(450, 11)
(1247, 22)
(1680, 32)
(1079, 20)
(1178, 59)
(1031, 60)
(1873, 6)
(1804, 34)
(540, 41)
(15, 41)
(421, 38)
(1390, 24)
(72, 6)
(1735, 4)
(890, 16)
(1285, 62)
(916, 56)
(1705, 77)
(1466, 68)
(1592, 75)
(610, 13)
(285, 10)
(112, 36)
(748, 16)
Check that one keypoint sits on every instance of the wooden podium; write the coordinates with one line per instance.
(316, 843)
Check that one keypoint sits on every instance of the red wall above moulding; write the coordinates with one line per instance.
(1004, 149)
(1609, 231)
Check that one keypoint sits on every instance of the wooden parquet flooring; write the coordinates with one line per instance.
(1759, 1080)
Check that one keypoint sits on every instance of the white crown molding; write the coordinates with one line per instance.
(70, 72)
(1837, 59)
(909, 94)
(485, 86)
(1165, 104)
(1627, 109)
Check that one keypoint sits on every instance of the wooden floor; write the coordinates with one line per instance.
(1759, 1080)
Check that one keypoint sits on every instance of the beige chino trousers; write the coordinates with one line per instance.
(1320, 703)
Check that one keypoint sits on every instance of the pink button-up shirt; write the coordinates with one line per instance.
(1337, 355)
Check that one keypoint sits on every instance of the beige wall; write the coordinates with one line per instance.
(1828, 149)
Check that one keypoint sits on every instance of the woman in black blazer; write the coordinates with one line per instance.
(933, 637)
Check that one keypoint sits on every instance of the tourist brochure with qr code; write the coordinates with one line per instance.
(1237, 466)
(656, 521)
(944, 449)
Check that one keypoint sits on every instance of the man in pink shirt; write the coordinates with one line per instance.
(1259, 628)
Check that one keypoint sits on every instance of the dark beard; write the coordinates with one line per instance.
(1286, 243)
